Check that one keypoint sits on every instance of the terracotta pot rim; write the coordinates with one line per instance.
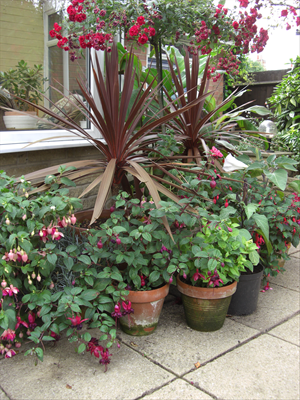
(146, 296)
(206, 293)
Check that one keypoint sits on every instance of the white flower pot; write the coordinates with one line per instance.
(14, 120)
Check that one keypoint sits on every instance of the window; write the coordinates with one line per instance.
(24, 35)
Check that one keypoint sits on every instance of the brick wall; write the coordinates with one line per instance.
(21, 33)
(217, 88)
(17, 164)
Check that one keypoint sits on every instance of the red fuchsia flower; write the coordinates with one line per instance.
(143, 281)
(197, 275)
(267, 287)
(105, 360)
(54, 335)
(10, 291)
(77, 321)
(127, 308)
(8, 334)
(213, 184)
(31, 319)
(226, 203)
(215, 152)
(100, 244)
(56, 235)
(117, 312)
(215, 279)
(10, 353)
(20, 322)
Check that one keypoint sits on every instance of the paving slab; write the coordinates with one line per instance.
(178, 348)
(178, 390)
(3, 395)
(274, 306)
(290, 278)
(294, 251)
(289, 330)
(265, 368)
(65, 374)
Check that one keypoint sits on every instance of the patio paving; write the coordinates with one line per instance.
(251, 357)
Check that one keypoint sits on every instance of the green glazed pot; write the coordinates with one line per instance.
(205, 308)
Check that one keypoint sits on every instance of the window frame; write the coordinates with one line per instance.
(19, 141)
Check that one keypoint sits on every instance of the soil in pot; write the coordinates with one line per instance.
(205, 308)
(147, 306)
(244, 300)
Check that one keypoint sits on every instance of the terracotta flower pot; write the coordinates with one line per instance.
(205, 308)
(147, 307)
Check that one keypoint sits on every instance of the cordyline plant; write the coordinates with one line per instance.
(199, 128)
(126, 143)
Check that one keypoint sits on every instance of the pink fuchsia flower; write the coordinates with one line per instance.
(77, 321)
(226, 203)
(197, 275)
(10, 291)
(216, 153)
(10, 353)
(54, 335)
(215, 280)
(20, 322)
(117, 311)
(127, 308)
(105, 360)
(8, 334)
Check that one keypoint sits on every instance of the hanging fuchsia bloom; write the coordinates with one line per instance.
(20, 322)
(10, 291)
(77, 321)
(226, 203)
(10, 353)
(197, 275)
(117, 313)
(127, 308)
(215, 279)
(105, 360)
(8, 334)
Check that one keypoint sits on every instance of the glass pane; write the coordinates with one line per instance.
(56, 17)
(56, 75)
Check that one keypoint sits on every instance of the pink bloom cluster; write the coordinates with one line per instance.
(215, 152)
(15, 255)
(293, 11)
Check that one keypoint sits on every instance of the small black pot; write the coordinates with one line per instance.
(244, 300)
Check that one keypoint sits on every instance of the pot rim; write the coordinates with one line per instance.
(147, 296)
(206, 293)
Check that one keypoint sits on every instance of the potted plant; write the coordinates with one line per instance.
(23, 83)
(49, 279)
(210, 263)
(137, 243)
(256, 200)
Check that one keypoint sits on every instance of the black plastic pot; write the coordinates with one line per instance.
(244, 300)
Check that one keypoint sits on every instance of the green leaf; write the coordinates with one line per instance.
(66, 181)
(87, 336)
(295, 185)
(262, 223)
(254, 257)
(154, 276)
(278, 177)
(81, 348)
(69, 263)
(40, 354)
(250, 210)
(85, 259)
(52, 258)
(48, 338)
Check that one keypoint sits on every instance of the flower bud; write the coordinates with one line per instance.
(18, 345)
(3, 284)
(184, 275)
(24, 217)
(26, 195)
(39, 278)
(21, 335)
(51, 285)
(33, 275)
(7, 221)
(73, 219)
(213, 184)
(99, 244)
(118, 241)
(171, 279)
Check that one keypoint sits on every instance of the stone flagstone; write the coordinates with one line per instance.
(289, 330)
(265, 368)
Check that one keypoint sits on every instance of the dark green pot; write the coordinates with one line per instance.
(205, 308)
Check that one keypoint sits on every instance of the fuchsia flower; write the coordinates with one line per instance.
(20, 322)
(215, 280)
(77, 321)
(117, 312)
(127, 308)
(10, 291)
(8, 334)
(10, 353)
(197, 275)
